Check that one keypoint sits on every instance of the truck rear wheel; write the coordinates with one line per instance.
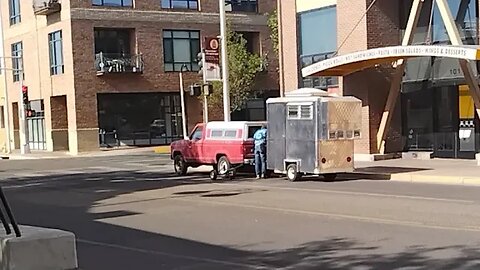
(223, 165)
(292, 173)
(180, 165)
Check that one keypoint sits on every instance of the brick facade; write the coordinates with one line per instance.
(79, 85)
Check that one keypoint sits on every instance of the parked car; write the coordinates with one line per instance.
(157, 128)
(220, 144)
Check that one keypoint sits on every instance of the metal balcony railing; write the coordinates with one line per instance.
(46, 7)
(118, 63)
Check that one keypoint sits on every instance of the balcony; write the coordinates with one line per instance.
(118, 63)
(46, 7)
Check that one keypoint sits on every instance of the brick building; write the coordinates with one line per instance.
(434, 102)
(112, 66)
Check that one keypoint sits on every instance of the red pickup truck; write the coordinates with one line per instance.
(220, 144)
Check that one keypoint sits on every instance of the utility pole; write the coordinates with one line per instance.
(24, 144)
(223, 37)
(6, 107)
(182, 101)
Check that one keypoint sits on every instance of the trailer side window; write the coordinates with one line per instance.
(292, 112)
(300, 111)
(306, 112)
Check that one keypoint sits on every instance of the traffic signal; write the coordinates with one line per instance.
(195, 90)
(25, 94)
(207, 89)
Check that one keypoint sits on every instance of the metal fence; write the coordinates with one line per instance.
(36, 133)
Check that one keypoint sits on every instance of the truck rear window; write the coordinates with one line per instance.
(252, 130)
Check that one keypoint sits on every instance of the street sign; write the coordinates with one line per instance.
(211, 68)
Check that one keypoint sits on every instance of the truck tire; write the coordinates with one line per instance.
(180, 165)
(330, 176)
(223, 165)
(292, 173)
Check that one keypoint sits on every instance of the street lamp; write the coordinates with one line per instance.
(182, 101)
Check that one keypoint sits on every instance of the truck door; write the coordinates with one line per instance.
(195, 143)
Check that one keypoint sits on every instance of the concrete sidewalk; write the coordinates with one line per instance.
(439, 171)
(63, 154)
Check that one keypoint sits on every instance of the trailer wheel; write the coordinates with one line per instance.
(213, 175)
(180, 165)
(330, 176)
(292, 173)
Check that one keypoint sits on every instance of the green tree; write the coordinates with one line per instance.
(243, 69)
(273, 25)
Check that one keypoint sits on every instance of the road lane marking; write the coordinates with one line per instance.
(153, 252)
(338, 216)
(350, 193)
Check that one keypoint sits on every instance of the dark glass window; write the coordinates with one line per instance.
(181, 48)
(180, 4)
(112, 41)
(56, 52)
(17, 63)
(114, 3)
(14, 8)
(318, 41)
(241, 5)
(140, 118)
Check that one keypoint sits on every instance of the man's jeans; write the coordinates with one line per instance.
(260, 160)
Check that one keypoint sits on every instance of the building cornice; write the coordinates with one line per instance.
(164, 16)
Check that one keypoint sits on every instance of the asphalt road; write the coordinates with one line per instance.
(130, 212)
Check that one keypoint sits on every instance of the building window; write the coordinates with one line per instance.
(241, 5)
(181, 48)
(15, 12)
(17, 63)
(318, 46)
(112, 41)
(252, 41)
(113, 3)
(56, 53)
(2, 117)
(180, 4)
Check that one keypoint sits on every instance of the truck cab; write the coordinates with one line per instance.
(220, 144)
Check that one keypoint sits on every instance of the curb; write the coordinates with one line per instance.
(436, 179)
(162, 150)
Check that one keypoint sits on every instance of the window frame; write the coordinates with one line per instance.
(168, 38)
(171, 5)
(17, 63)
(122, 3)
(15, 16)
(57, 66)
(229, 7)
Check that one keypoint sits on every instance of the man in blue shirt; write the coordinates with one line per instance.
(260, 138)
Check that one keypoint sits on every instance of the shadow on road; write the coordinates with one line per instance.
(64, 201)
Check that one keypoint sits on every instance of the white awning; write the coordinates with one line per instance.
(349, 63)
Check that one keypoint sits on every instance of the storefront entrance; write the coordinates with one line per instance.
(441, 120)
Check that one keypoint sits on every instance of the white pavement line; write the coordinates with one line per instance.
(350, 193)
(340, 216)
(153, 252)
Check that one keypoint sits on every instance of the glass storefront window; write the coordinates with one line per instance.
(465, 14)
(318, 41)
(141, 118)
